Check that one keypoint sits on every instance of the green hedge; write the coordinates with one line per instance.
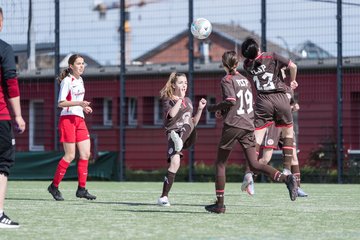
(235, 173)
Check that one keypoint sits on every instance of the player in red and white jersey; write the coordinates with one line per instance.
(72, 127)
(272, 104)
(180, 124)
(237, 111)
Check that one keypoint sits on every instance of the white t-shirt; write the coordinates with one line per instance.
(72, 89)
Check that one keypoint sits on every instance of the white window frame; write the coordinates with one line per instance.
(210, 120)
(132, 111)
(32, 146)
(157, 111)
(107, 121)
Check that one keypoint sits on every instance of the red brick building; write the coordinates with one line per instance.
(145, 139)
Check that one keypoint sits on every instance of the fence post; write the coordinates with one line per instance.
(191, 82)
(339, 142)
(122, 92)
(56, 71)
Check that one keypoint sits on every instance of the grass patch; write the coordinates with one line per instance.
(127, 210)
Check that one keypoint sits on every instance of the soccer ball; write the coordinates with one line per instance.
(201, 28)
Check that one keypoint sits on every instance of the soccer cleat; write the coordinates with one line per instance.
(83, 193)
(163, 201)
(301, 193)
(248, 184)
(292, 186)
(178, 143)
(54, 191)
(214, 208)
(5, 222)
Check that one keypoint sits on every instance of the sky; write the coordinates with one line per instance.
(83, 31)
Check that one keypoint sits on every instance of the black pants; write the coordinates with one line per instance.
(7, 147)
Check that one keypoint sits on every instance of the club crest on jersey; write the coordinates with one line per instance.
(270, 141)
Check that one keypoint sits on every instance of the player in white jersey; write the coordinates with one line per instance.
(72, 127)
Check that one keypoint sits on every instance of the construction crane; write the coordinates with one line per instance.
(102, 7)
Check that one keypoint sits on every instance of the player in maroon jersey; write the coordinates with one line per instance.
(179, 124)
(272, 104)
(237, 107)
(9, 93)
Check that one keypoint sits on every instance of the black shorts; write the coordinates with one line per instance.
(7, 147)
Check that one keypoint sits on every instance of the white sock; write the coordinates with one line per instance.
(286, 171)
(1, 212)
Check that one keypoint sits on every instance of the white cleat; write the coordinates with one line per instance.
(178, 143)
(163, 202)
(248, 184)
(301, 193)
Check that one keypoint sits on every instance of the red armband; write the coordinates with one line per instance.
(13, 88)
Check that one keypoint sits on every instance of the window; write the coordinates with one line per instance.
(210, 116)
(107, 112)
(158, 111)
(132, 111)
(36, 125)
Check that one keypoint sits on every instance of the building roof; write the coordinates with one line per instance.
(45, 59)
(310, 50)
(233, 33)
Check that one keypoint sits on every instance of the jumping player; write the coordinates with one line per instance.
(179, 125)
(272, 104)
(238, 113)
(273, 140)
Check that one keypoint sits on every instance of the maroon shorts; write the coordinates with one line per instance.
(273, 107)
(187, 144)
(72, 129)
(273, 138)
(230, 135)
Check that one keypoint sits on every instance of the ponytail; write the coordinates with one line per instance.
(64, 73)
(230, 61)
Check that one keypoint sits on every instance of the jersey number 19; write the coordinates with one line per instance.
(246, 102)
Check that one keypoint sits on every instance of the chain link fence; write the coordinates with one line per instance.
(156, 35)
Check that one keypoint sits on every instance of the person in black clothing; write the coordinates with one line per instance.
(9, 92)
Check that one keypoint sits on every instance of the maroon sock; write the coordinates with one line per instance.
(295, 169)
(60, 172)
(168, 181)
(82, 171)
(279, 177)
(220, 189)
(288, 152)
